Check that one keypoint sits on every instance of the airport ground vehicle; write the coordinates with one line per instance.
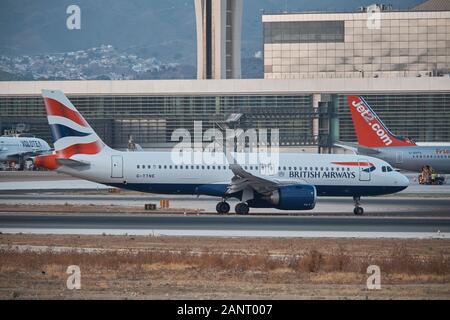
(430, 177)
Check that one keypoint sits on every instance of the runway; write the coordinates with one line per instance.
(374, 206)
(404, 215)
(242, 226)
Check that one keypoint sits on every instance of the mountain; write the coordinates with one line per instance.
(161, 29)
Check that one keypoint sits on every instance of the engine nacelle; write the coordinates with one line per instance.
(295, 197)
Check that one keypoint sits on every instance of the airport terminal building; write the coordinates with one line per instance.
(310, 114)
(386, 43)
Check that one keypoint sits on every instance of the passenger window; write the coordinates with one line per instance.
(165, 167)
(207, 167)
(137, 166)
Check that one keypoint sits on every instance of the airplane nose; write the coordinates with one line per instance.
(403, 180)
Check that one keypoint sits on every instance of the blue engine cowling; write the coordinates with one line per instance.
(293, 197)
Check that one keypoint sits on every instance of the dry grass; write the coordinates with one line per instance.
(400, 261)
(198, 268)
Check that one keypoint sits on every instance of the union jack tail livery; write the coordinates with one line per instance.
(71, 133)
(370, 130)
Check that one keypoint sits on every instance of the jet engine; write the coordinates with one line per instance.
(293, 197)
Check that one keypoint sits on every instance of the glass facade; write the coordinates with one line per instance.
(329, 45)
(152, 119)
(304, 31)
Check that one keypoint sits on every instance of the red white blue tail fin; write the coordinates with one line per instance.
(370, 130)
(71, 132)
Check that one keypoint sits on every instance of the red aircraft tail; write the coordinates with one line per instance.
(369, 129)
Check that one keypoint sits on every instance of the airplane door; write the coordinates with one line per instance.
(116, 167)
(399, 157)
(364, 170)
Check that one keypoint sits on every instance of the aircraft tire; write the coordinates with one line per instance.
(222, 207)
(242, 208)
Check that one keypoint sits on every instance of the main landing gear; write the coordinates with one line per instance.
(241, 208)
(358, 210)
(223, 207)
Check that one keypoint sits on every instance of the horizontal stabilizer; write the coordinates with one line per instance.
(72, 162)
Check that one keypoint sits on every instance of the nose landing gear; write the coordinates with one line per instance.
(359, 211)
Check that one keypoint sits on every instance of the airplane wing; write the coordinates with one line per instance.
(243, 179)
(356, 148)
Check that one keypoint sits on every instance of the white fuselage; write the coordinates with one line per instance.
(331, 174)
(414, 158)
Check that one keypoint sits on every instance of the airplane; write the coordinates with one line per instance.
(19, 148)
(376, 140)
(80, 152)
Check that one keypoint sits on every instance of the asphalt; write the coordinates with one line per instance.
(373, 206)
(223, 225)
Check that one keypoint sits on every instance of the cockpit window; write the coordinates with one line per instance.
(389, 169)
(383, 168)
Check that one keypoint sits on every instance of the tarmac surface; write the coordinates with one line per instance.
(423, 212)
(282, 226)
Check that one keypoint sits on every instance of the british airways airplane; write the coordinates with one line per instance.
(375, 139)
(300, 178)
